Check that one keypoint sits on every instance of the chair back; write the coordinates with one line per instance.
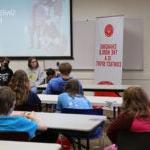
(83, 111)
(106, 93)
(27, 107)
(14, 136)
(127, 140)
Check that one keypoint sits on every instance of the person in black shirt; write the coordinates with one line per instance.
(5, 72)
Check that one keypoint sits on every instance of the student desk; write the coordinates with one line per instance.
(98, 100)
(101, 87)
(76, 124)
(112, 102)
(10, 145)
(97, 87)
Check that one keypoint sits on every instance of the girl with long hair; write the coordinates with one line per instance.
(25, 98)
(134, 116)
(72, 98)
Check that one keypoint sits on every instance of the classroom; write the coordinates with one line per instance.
(83, 10)
(135, 70)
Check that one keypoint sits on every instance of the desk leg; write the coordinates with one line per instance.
(53, 107)
(114, 112)
(79, 144)
(88, 144)
(47, 106)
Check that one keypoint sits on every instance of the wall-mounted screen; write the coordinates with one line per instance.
(40, 28)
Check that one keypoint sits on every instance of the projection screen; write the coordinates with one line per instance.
(40, 28)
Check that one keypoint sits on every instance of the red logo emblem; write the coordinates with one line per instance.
(109, 30)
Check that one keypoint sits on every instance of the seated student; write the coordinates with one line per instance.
(25, 99)
(72, 98)
(56, 85)
(16, 123)
(51, 73)
(5, 72)
(35, 74)
(135, 114)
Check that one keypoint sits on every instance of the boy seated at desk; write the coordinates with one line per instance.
(19, 121)
(72, 98)
(56, 85)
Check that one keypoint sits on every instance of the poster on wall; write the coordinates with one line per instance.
(39, 28)
(109, 50)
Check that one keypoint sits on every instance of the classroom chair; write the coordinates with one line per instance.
(14, 136)
(127, 140)
(97, 133)
(28, 108)
(106, 93)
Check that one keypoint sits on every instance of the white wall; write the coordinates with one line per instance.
(90, 9)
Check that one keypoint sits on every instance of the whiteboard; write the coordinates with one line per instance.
(133, 44)
(84, 45)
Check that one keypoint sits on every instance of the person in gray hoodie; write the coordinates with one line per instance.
(35, 74)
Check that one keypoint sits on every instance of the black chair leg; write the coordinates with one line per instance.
(73, 146)
(72, 142)
(79, 144)
(87, 144)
